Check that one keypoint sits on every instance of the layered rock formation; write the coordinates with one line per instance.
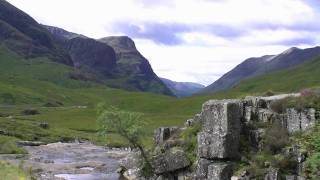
(223, 122)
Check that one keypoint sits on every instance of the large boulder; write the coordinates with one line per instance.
(170, 161)
(220, 129)
(300, 121)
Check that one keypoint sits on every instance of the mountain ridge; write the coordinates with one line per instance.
(182, 89)
(252, 67)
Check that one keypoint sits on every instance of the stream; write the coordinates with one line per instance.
(71, 161)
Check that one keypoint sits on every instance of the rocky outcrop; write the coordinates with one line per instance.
(218, 142)
(300, 121)
(219, 138)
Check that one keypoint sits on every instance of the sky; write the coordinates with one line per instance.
(189, 40)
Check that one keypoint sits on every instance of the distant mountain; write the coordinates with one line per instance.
(262, 65)
(93, 60)
(293, 79)
(132, 67)
(182, 89)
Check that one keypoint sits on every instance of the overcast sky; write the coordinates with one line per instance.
(189, 40)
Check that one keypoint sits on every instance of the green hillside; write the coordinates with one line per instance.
(37, 83)
(306, 75)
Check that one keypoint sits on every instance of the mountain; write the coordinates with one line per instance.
(293, 79)
(262, 65)
(22, 34)
(94, 60)
(59, 32)
(182, 89)
(132, 67)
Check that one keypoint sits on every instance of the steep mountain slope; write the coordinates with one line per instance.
(23, 35)
(89, 53)
(182, 89)
(263, 65)
(132, 68)
(59, 32)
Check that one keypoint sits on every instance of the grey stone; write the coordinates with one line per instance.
(163, 133)
(248, 113)
(170, 161)
(300, 121)
(272, 174)
(265, 115)
(291, 177)
(220, 171)
(201, 171)
(220, 129)
(189, 122)
(255, 138)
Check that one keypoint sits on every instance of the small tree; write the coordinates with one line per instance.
(127, 124)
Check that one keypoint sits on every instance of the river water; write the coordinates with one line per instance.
(72, 161)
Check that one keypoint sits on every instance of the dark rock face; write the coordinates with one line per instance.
(257, 66)
(91, 53)
(182, 89)
(23, 35)
(170, 161)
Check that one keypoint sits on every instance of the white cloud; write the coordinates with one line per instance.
(204, 56)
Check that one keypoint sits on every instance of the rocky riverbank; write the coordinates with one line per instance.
(70, 161)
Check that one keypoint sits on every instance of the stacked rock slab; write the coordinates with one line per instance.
(218, 142)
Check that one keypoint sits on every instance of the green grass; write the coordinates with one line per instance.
(31, 83)
(9, 172)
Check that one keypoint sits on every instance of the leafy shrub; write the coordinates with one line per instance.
(8, 146)
(275, 139)
(28, 112)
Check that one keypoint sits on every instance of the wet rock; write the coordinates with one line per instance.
(220, 129)
(300, 121)
(170, 161)
(220, 171)
(163, 133)
(272, 174)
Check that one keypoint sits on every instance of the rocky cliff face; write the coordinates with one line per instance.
(258, 66)
(225, 126)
